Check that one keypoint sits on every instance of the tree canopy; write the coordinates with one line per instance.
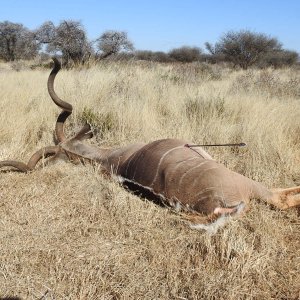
(16, 42)
(69, 39)
(112, 42)
(244, 48)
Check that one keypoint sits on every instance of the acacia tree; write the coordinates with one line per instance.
(112, 42)
(244, 48)
(16, 42)
(69, 38)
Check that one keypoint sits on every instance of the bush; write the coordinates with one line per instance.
(244, 48)
(186, 54)
(268, 82)
(278, 59)
(158, 56)
(201, 108)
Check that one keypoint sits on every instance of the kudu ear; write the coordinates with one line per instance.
(84, 133)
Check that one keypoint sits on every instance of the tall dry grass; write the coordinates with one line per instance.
(67, 232)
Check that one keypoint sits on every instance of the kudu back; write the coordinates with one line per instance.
(185, 178)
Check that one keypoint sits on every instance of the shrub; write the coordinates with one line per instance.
(158, 56)
(278, 59)
(244, 48)
(186, 54)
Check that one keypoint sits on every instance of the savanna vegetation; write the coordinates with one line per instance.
(69, 232)
(238, 49)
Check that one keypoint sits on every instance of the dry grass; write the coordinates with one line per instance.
(67, 232)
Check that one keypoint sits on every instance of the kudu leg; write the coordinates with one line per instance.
(218, 218)
(210, 223)
(286, 198)
(35, 158)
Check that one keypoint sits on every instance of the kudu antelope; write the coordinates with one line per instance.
(183, 177)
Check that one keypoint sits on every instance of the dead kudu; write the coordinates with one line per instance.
(182, 176)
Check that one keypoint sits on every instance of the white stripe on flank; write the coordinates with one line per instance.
(137, 165)
(183, 161)
(129, 162)
(193, 168)
(161, 160)
(211, 188)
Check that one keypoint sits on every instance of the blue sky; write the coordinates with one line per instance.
(165, 24)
